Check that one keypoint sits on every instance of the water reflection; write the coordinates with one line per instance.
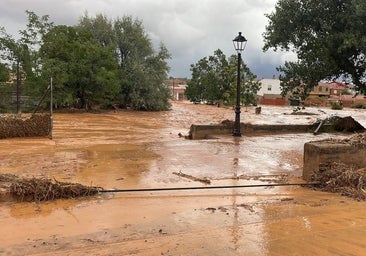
(247, 236)
(27, 210)
(116, 166)
(235, 229)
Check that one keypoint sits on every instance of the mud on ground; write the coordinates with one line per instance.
(143, 150)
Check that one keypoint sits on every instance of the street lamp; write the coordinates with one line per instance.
(239, 45)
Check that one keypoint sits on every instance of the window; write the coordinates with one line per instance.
(269, 88)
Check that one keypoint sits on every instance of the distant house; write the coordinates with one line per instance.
(177, 87)
(336, 88)
(328, 89)
(320, 90)
(326, 93)
(345, 95)
(270, 92)
(323, 94)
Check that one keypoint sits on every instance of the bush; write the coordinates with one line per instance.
(337, 105)
(360, 105)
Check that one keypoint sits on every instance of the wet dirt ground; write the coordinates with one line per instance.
(125, 149)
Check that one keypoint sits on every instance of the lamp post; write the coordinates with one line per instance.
(239, 45)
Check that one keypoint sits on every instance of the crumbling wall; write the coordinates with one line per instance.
(350, 152)
(345, 124)
(37, 125)
(197, 132)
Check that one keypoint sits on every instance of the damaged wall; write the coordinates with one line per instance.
(37, 125)
(351, 152)
(198, 132)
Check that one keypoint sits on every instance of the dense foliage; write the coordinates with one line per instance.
(141, 70)
(4, 73)
(84, 73)
(329, 38)
(98, 62)
(214, 79)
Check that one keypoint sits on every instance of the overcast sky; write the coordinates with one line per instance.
(190, 29)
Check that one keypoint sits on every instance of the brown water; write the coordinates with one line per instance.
(143, 150)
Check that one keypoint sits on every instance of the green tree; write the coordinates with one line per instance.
(214, 79)
(84, 72)
(249, 85)
(249, 92)
(142, 70)
(21, 55)
(100, 27)
(97, 62)
(196, 88)
(4, 73)
(329, 38)
(209, 79)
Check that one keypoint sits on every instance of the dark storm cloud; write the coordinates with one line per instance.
(190, 29)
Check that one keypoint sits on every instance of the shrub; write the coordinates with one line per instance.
(361, 105)
(336, 105)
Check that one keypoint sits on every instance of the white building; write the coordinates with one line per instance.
(269, 86)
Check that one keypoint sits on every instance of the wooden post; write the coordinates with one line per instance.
(18, 87)
(51, 109)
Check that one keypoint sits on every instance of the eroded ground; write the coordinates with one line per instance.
(143, 150)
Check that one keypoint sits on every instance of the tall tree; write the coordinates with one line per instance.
(85, 73)
(210, 81)
(328, 36)
(96, 62)
(142, 70)
(100, 27)
(214, 79)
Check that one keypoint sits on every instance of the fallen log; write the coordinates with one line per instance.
(190, 177)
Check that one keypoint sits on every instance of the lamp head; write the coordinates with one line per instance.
(239, 43)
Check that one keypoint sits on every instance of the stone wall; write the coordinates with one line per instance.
(37, 125)
(197, 132)
(351, 152)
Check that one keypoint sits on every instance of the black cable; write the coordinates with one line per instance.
(203, 188)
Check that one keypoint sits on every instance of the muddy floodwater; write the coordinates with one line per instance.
(126, 149)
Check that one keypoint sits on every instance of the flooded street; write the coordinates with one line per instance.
(126, 149)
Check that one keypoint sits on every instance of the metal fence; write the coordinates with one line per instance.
(9, 100)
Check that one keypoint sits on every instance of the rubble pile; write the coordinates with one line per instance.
(358, 140)
(341, 124)
(347, 124)
(24, 125)
(341, 178)
(43, 189)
